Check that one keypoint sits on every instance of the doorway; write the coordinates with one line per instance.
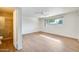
(6, 29)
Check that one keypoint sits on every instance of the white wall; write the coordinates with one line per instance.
(69, 28)
(17, 17)
(77, 25)
(29, 25)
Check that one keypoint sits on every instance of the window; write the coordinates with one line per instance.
(55, 21)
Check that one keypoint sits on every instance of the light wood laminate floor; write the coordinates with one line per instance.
(44, 42)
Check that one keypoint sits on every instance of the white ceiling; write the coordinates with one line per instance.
(46, 11)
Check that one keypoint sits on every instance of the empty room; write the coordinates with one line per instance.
(35, 29)
(50, 29)
(39, 29)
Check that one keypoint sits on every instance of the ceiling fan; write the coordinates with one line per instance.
(42, 12)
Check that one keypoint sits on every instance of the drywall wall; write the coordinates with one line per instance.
(17, 23)
(77, 25)
(68, 28)
(29, 25)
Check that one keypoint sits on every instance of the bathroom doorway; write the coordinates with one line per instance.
(6, 29)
